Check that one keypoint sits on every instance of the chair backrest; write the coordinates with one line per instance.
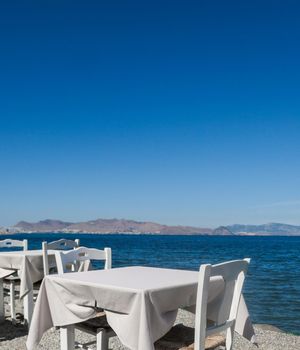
(233, 274)
(61, 244)
(80, 258)
(13, 243)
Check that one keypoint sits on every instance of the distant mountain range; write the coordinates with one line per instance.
(144, 227)
(271, 229)
(108, 226)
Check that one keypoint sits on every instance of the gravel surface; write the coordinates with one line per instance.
(13, 337)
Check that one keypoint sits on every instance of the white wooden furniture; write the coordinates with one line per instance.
(61, 244)
(80, 260)
(233, 273)
(29, 265)
(13, 243)
(140, 303)
(12, 279)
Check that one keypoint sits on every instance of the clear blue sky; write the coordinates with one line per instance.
(180, 112)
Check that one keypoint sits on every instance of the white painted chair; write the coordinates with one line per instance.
(10, 280)
(205, 336)
(13, 243)
(61, 244)
(80, 260)
(50, 267)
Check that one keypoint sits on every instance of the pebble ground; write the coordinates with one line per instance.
(13, 337)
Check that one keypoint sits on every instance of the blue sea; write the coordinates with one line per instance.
(272, 288)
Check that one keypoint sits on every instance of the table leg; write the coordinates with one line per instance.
(2, 310)
(67, 337)
(28, 307)
(12, 302)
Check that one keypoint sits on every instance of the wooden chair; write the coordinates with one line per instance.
(80, 260)
(13, 243)
(61, 244)
(205, 335)
(11, 280)
(50, 266)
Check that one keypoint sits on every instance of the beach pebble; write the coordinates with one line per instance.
(13, 337)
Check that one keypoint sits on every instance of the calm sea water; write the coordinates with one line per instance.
(272, 288)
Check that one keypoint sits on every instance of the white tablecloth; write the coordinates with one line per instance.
(141, 303)
(28, 264)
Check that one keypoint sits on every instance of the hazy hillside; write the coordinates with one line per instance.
(43, 226)
(109, 226)
(135, 227)
(266, 229)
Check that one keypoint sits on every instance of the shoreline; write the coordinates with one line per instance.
(139, 234)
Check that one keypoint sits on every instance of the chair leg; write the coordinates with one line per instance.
(67, 338)
(2, 310)
(12, 301)
(229, 337)
(102, 339)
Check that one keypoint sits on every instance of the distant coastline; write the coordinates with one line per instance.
(123, 226)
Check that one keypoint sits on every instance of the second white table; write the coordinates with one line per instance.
(29, 266)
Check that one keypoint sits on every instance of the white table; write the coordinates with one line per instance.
(29, 266)
(141, 303)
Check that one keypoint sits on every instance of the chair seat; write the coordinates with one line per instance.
(93, 324)
(181, 337)
(12, 278)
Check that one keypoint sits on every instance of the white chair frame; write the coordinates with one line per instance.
(79, 259)
(13, 243)
(233, 274)
(60, 244)
(10, 243)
